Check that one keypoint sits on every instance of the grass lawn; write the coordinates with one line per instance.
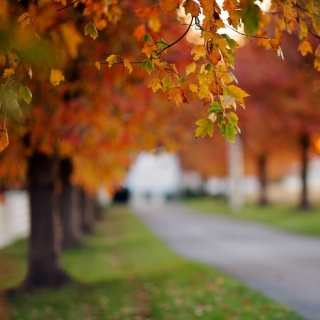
(124, 272)
(286, 217)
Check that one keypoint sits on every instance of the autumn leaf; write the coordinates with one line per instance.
(191, 68)
(205, 127)
(305, 47)
(147, 65)
(91, 30)
(8, 73)
(155, 84)
(317, 63)
(139, 32)
(214, 55)
(191, 7)
(24, 20)
(4, 140)
(112, 59)
(289, 11)
(154, 24)
(177, 95)
(204, 92)
(56, 77)
(127, 65)
(168, 5)
(161, 45)
(167, 83)
(303, 33)
(235, 93)
(193, 88)
(215, 107)
(72, 38)
(98, 66)
(198, 51)
(275, 44)
(25, 94)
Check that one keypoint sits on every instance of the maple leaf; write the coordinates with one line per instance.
(147, 65)
(235, 93)
(191, 7)
(91, 30)
(204, 92)
(177, 95)
(56, 77)
(167, 83)
(230, 6)
(191, 68)
(198, 51)
(168, 5)
(127, 65)
(304, 47)
(205, 127)
(155, 84)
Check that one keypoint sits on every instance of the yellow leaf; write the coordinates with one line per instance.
(191, 68)
(98, 66)
(275, 44)
(56, 77)
(127, 65)
(8, 73)
(198, 51)
(235, 92)
(149, 48)
(168, 5)
(4, 140)
(72, 38)
(289, 12)
(205, 127)
(112, 59)
(304, 47)
(192, 7)
(177, 95)
(317, 63)
(193, 88)
(155, 84)
(204, 92)
(24, 20)
(303, 33)
(154, 24)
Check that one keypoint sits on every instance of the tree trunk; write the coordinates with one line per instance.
(304, 143)
(262, 172)
(88, 212)
(44, 265)
(69, 207)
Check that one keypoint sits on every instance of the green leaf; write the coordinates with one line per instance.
(161, 45)
(146, 38)
(91, 30)
(167, 83)
(250, 20)
(147, 65)
(215, 107)
(25, 94)
(230, 132)
(205, 127)
(182, 80)
(232, 43)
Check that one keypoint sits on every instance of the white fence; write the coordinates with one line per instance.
(14, 217)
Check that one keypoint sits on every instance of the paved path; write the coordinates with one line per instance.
(283, 266)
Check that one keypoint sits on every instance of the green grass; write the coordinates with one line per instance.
(124, 273)
(282, 216)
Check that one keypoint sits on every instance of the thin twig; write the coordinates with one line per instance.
(67, 6)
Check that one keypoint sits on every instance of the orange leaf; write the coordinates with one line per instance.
(275, 44)
(192, 7)
(56, 77)
(140, 31)
(177, 95)
(4, 140)
(214, 55)
(168, 5)
(304, 47)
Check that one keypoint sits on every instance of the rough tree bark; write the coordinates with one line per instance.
(262, 173)
(304, 144)
(69, 208)
(44, 266)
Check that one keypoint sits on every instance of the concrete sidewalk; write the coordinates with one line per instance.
(284, 266)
